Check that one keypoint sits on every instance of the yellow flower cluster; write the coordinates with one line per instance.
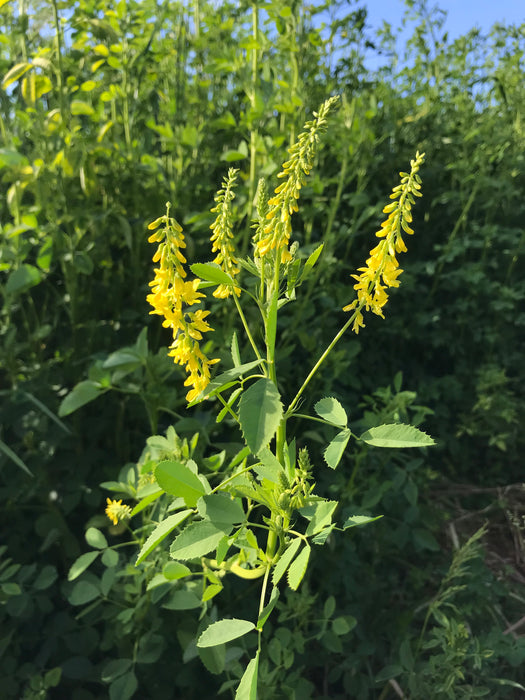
(276, 235)
(168, 296)
(116, 512)
(382, 268)
(222, 235)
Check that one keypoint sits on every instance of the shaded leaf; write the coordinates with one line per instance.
(224, 631)
(81, 564)
(79, 396)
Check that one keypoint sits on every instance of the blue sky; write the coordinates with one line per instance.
(461, 16)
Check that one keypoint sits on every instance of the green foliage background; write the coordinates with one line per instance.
(110, 109)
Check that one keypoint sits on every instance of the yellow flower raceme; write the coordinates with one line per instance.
(222, 235)
(276, 234)
(170, 294)
(117, 512)
(382, 268)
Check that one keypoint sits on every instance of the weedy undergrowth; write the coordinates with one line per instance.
(258, 517)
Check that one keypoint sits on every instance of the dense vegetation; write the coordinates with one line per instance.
(109, 110)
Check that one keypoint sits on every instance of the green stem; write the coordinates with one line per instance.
(247, 329)
(322, 359)
(60, 72)
(253, 131)
(263, 589)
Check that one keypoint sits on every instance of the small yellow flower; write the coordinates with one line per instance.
(382, 268)
(223, 235)
(170, 293)
(276, 234)
(117, 512)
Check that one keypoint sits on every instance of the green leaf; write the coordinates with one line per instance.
(388, 672)
(14, 457)
(226, 409)
(211, 272)
(343, 625)
(22, 279)
(336, 448)
(10, 158)
(125, 357)
(267, 610)
(226, 378)
(173, 570)
(178, 480)
(182, 600)
(270, 467)
(247, 689)
(312, 259)
(197, 540)
(221, 509)
(396, 435)
(123, 688)
(81, 564)
(260, 412)
(298, 567)
(114, 669)
(15, 73)
(236, 355)
(110, 558)
(331, 410)
(83, 592)
(144, 503)
(285, 560)
(357, 520)
(95, 538)
(160, 532)
(79, 107)
(224, 631)
(319, 515)
(211, 591)
(79, 396)
(230, 156)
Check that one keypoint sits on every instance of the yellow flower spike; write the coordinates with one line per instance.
(278, 231)
(117, 512)
(170, 293)
(222, 234)
(382, 268)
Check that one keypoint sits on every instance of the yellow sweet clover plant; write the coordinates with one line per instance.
(244, 520)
